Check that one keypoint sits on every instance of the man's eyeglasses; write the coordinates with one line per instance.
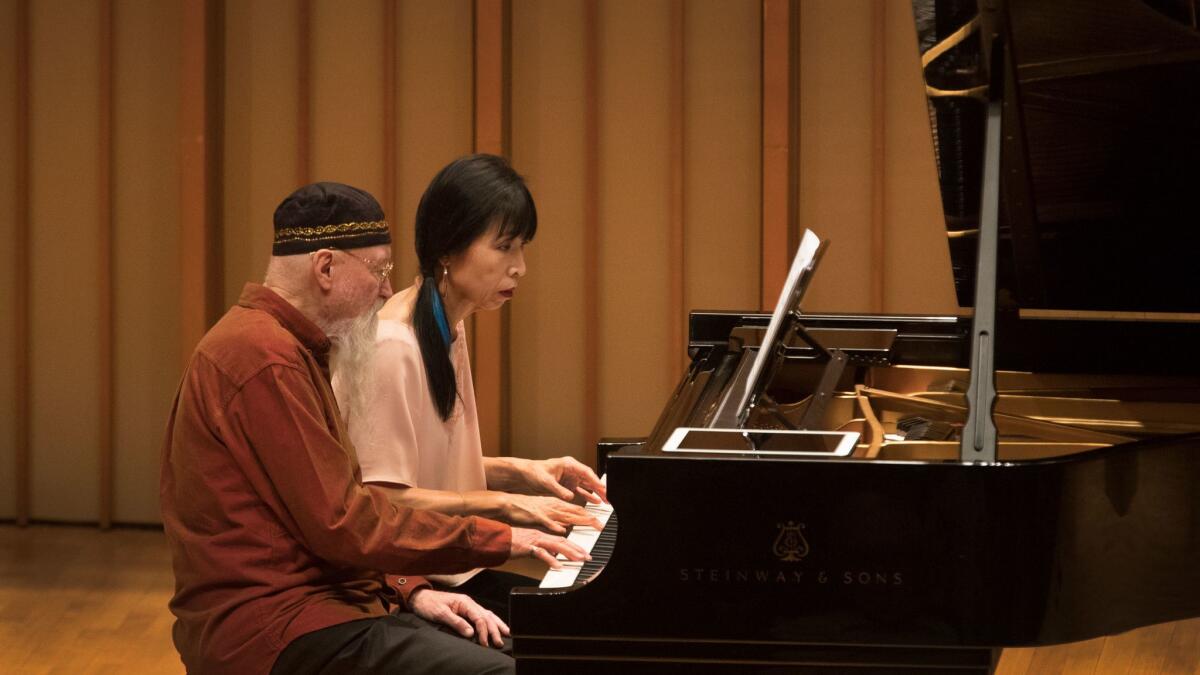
(380, 270)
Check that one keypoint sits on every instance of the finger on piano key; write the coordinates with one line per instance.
(591, 497)
(589, 539)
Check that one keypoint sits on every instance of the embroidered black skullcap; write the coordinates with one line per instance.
(328, 215)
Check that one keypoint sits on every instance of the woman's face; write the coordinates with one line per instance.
(485, 274)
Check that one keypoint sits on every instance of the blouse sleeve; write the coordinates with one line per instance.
(385, 437)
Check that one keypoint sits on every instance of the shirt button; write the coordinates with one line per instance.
(401, 581)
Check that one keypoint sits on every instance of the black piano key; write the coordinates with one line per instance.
(601, 551)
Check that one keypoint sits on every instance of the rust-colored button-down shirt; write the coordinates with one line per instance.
(272, 533)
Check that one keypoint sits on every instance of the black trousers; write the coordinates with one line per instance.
(490, 589)
(397, 643)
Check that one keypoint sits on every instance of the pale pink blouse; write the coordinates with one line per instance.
(401, 438)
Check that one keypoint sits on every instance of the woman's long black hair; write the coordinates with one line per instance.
(458, 207)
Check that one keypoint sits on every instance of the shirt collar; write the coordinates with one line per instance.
(257, 296)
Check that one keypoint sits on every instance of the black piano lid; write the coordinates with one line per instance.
(1100, 189)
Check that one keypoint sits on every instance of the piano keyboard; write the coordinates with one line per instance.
(599, 543)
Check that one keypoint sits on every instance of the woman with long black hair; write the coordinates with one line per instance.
(410, 403)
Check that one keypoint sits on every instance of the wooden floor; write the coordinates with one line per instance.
(80, 601)
(1166, 648)
(77, 600)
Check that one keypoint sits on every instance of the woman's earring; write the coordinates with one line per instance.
(445, 272)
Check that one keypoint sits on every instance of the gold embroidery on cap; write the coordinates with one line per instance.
(338, 231)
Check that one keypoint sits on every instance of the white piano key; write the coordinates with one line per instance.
(585, 536)
(559, 578)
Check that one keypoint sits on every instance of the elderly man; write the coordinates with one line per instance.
(279, 549)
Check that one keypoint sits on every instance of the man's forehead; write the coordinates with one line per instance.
(381, 253)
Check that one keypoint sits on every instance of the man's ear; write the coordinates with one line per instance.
(322, 268)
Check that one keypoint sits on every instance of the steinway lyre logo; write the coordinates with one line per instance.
(790, 544)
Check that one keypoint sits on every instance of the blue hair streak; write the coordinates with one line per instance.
(439, 312)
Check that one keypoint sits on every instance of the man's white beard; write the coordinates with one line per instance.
(350, 361)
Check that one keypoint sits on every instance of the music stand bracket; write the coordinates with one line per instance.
(835, 363)
(821, 397)
(796, 328)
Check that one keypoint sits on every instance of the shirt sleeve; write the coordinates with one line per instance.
(281, 416)
(402, 587)
(385, 435)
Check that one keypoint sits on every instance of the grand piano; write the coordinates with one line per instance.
(1027, 474)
